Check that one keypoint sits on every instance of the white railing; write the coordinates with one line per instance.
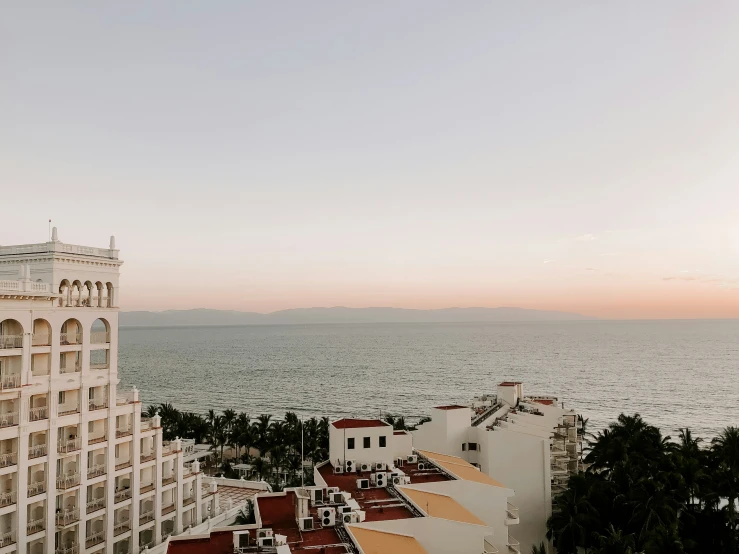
(35, 526)
(69, 445)
(68, 517)
(512, 511)
(146, 487)
(514, 547)
(147, 424)
(97, 405)
(489, 548)
(120, 496)
(168, 480)
(68, 481)
(148, 457)
(10, 382)
(69, 549)
(37, 414)
(99, 337)
(70, 339)
(9, 459)
(122, 432)
(96, 504)
(124, 398)
(189, 500)
(122, 465)
(37, 451)
(11, 341)
(146, 517)
(168, 449)
(71, 368)
(67, 410)
(6, 284)
(96, 438)
(95, 471)
(8, 498)
(95, 538)
(41, 339)
(102, 365)
(6, 539)
(36, 488)
(167, 509)
(8, 420)
(121, 527)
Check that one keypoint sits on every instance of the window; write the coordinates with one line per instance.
(464, 447)
(473, 446)
(62, 397)
(383, 442)
(350, 443)
(367, 442)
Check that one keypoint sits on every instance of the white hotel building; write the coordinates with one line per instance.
(80, 471)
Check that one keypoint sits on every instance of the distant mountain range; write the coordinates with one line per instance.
(171, 318)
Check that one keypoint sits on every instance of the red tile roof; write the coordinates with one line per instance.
(510, 383)
(400, 432)
(219, 542)
(545, 401)
(451, 407)
(358, 423)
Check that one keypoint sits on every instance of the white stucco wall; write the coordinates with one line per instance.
(339, 439)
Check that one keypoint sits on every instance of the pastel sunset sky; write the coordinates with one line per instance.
(579, 156)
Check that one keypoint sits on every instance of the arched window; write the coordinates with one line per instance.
(111, 299)
(71, 332)
(86, 296)
(41, 333)
(100, 331)
(76, 293)
(99, 295)
(11, 334)
(65, 289)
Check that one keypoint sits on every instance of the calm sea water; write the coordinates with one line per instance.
(675, 373)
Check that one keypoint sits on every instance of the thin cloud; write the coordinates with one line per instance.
(586, 237)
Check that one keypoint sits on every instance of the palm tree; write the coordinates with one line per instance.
(261, 432)
(572, 517)
(541, 549)
(150, 411)
(726, 451)
(614, 541)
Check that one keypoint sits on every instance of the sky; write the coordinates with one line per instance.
(578, 156)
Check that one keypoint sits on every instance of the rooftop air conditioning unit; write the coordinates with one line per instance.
(398, 480)
(328, 516)
(316, 496)
(351, 517)
(381, 480)
(338, 470)
(330, 491)
(306, 523)
(421, 466)
(264, 533)
(266, 541)
(350, 466)
(380, 466)
(363, 483)
(365, 467)
(412, 459)
(344, 509)
(337, 498)
(241, 540)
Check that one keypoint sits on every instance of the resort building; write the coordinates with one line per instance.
(530, 443)
(80, 470)
(365, 501)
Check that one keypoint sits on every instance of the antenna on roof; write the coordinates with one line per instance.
(49, 230)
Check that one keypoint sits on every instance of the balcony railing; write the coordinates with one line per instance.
(96, 471)
(11, 341)
(9, 459)
(144, 545)
(146, 488)
(148, 457)
(41, 339)
(168, 449)
(123, 432)
(36, 488)
(122, 495)
(514, 547)
(169, 508)
(489, 548)
(6, 539)
(122, 527)
(96, 438)
(95, 505)
(35, 526)
(97, 405)
(124, 398)
(9, 419)
(67, 517)
(10, 382)
(68, 339)
(69, 549)
(69, 445)
(68, 481)
(94, 539)
(100, 365)
(188, 501)
(37, 414)
(122, 465)
(71, 368)
(99, 337)
(8, 498)
(147, 424)
(67, 410)
(167, 480)
(146, 517)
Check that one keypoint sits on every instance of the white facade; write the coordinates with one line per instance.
(366, 441)
(80, 471)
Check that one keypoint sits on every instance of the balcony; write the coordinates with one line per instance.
(6, 539)
(514, 547)
(97, 405)
(72, 368)
(10, 382)
(67, 517)
(95, 539)
(146, 488)
(38, 414)
(121, 527)
(96, 471)
(168, 509)
(36, 488)
(69, 445)
(99, 337)
(68, 410)
(35, 526)
(95, 438)
(512, 515)
(9, 459)
(122, 465)
(147, 424)
(37, 451)
(8, 498)
(8, 420)
(122, 495)
(148, 457)
(123, 432)
(168, 449)
(489, 548)
(41, 339)
(124, 398)
(95, 505)
(70, 339)
(69, 549)
(11, 341)
(68, 481)
(189, 500)
(104, 365)
(146, 517)
(168, 480)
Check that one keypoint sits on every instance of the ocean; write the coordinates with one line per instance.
(674, 373)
